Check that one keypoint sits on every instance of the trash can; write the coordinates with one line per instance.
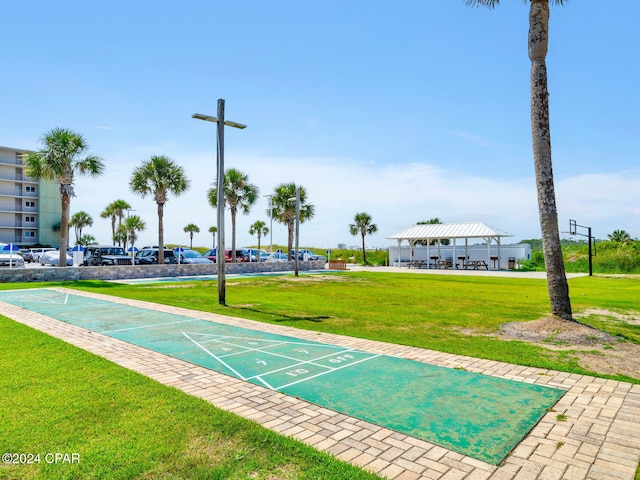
(512, 263)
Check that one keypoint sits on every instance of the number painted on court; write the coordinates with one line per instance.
(342, 358)
(296, 372)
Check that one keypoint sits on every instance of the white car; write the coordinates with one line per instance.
(11, 260)
(36, 252)
(52, 257)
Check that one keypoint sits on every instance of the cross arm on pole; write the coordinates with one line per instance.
(209, 118)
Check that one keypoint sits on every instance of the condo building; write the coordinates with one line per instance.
(29, 209)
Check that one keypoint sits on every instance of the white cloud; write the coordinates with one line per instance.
(396, 196)
(603, 201)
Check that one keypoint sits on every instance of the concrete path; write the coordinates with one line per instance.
(462, 272)
(599, 439)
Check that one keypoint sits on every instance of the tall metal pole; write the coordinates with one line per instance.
(220, 187)
(271, 224)
(297, 228)
(590, 254)
(222, 287)
(573, 230)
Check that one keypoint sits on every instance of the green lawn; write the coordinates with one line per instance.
(61, 399)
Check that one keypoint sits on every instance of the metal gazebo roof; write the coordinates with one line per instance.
(449, 230)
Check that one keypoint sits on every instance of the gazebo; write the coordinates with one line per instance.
(428, 233)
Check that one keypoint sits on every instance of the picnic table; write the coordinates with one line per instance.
(419, 264)
(448, 263)
(477, 264)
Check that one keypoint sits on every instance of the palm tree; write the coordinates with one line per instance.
(363, 226)
(212, 231)
(557, 284)
(159, 177)
(132, 225)
(115, 210)
(86, 240)
(258, 228)
(620, 236)
(60, 159)
(78, 221)
(191, 229)
(283, 209)
(239, 194)
(122, 235)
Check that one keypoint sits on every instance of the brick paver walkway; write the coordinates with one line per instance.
(600, 438)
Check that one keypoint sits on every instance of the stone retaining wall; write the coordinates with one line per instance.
(54, 274)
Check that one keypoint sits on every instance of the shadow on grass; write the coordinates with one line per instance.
(283, 317)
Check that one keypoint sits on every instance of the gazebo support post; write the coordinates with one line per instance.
(410, 252)
(466, 248)
(454, 259)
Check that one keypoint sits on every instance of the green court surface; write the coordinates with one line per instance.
(477, 415)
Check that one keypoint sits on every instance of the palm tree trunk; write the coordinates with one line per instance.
(233, 235)
(113, 228)
(64, 226)
(364, 252)
(160, 234)
(119, 225)
(540, 129)
(290, 239)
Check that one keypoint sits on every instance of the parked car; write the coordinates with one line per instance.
(211, 255)
(252, 254)
(52, 257)
(10, 259)
(273, 257)
(36, 252)
(308, 254)
(105, 255)
(149, 256)
(240, 256)
(188, 256)
(26, 255)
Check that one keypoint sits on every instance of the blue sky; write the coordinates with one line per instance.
(406, 111)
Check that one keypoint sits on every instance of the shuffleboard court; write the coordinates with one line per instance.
(477, 415)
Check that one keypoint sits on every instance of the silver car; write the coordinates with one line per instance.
(189, 256)
(52, 257)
